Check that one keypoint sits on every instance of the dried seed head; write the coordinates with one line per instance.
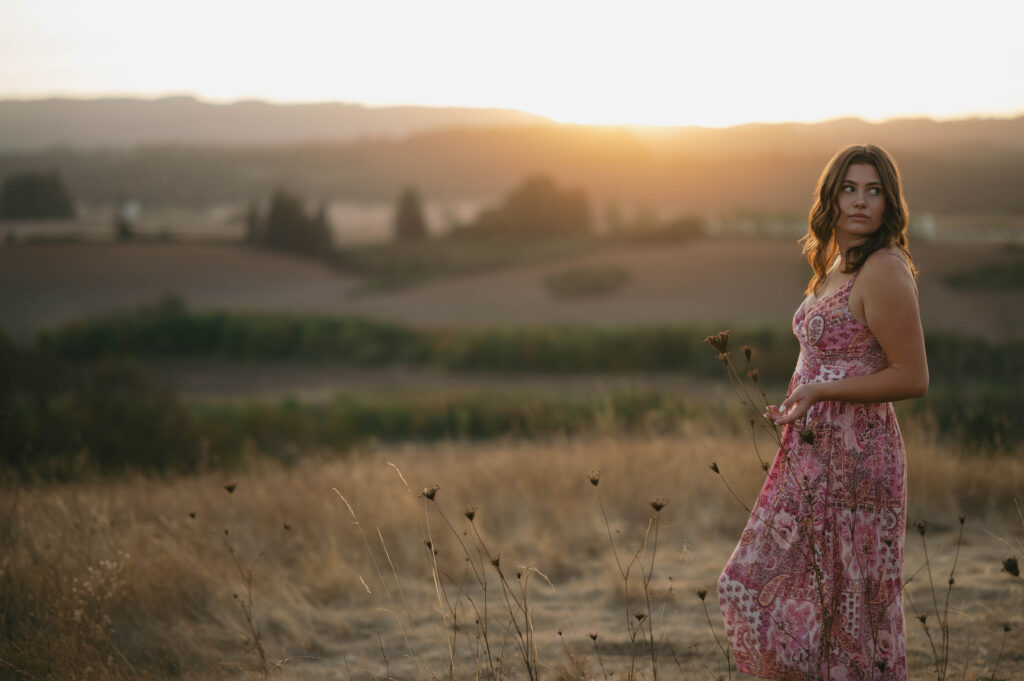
(922, 527)
(519, 575)
(1007, 627)
(701, 593)
(747, 352)
(723, 357)
(888, 541)
(287, 527)
(230, 488)
(595, 477)
(640, 617)
(658, 504)
(1010, 565)
(881, 664)
(764, 466)
(714, 467)
(593, 635)
(807, 435)
(719, 341)
(923, 619)
(192, 515)
(496, 561)
(951, 581)
(753, 375)
(428, 543)
(431, 492)
(470, 513)
(963, 518)
(559, 632)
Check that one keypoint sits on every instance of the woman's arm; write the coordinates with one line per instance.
(891, 312)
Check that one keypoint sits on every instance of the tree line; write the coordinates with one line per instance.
(536, 207)
(952, 167)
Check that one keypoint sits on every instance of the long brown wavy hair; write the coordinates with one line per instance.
(819, 244)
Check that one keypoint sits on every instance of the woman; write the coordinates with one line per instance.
(813, 590)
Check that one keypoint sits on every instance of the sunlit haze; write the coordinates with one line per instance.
(661, 63)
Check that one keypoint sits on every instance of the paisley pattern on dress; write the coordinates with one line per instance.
(813, 590)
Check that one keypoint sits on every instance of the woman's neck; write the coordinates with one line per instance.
(844, 245)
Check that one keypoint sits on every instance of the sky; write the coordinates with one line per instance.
(711, 63)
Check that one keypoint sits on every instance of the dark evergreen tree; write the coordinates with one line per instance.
(35, 196)
(287, 227)
(409, 223)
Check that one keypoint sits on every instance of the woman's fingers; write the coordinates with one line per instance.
(787, 412)
(794, 411)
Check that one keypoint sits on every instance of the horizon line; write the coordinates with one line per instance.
(213, 101)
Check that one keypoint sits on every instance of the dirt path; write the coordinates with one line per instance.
(215, 381)
(565, 614)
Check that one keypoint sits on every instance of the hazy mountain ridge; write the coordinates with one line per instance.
(960, 166)
(27, 125)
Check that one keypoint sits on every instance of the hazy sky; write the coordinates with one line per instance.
(712, 62)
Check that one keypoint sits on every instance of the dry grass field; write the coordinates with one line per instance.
(755, 281)
(325, 564)
(322, 570)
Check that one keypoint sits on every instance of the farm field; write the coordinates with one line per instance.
(318, 563)
(754, 281)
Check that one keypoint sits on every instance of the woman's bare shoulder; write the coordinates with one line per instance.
(885, 259)
(886, 268)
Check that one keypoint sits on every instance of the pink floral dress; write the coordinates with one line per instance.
(813, 590)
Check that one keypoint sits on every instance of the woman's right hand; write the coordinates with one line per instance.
(775, 413)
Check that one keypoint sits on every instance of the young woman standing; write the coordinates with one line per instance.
(814, 589)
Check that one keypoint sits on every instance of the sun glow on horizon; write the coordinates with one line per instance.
(660, 64)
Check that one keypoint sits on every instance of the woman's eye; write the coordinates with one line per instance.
(847, 188)
(875, 191)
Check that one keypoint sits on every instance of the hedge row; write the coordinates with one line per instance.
(170, 330)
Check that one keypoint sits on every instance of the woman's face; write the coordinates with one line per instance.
(860, 204)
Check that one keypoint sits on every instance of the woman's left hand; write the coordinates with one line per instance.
(796, 405)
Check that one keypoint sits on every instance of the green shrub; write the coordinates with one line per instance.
(288, 427)
(168, 330)
(983, 419)
(59, 422)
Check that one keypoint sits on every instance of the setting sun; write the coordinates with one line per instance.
(659, 63)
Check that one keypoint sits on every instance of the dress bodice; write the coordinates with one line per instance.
(833, 343)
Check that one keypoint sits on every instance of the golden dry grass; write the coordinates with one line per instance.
(111, 580)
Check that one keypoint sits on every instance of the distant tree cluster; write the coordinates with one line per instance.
(35, 196)
(537, 207)
(286, 226)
